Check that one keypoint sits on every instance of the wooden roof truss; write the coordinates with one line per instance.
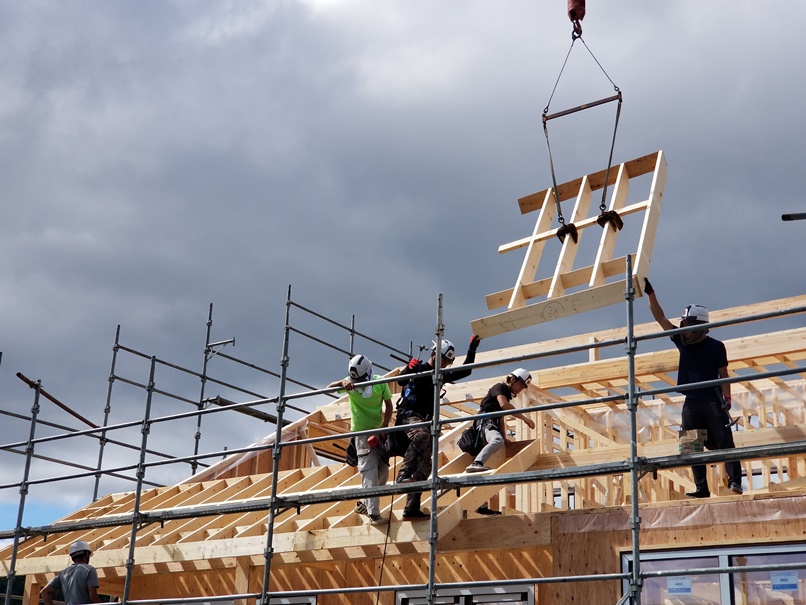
(568, 290)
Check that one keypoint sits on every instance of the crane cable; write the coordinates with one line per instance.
(605, 217)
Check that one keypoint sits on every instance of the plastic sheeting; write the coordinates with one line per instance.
(688, 514)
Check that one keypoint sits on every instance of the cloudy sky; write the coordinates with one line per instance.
(158, 157)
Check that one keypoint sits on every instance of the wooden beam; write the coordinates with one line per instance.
(533, 252)
(549, 310)
(570, 245)
(609, 235)
(565, 191)
(451, 516)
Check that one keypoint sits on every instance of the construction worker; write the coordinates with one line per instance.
(365, 415)
(78, 583)
(417, 405)
(702, 358)
(498, 398)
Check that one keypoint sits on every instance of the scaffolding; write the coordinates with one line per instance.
(269, 456)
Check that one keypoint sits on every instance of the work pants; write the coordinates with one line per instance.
(374, 471)
(417, 459)
(706, 413)
(495, 441)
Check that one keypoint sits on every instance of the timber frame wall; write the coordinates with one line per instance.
(598, 477)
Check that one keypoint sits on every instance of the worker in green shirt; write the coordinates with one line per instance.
(370, 408)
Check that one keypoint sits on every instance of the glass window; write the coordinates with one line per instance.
(767, 587)
(779, 587)
(681, 589)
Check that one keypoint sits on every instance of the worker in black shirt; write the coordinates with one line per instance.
(702, 358)
(417, 405)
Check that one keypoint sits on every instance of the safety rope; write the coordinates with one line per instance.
(605, 217)
(393, 473)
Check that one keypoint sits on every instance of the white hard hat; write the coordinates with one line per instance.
(695, 313)
(79, 546)
(360, 368)
(448, 350)
(522, 374)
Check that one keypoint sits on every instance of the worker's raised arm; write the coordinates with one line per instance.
(507, 405)
(655, 308)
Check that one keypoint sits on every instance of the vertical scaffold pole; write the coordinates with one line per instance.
(141, 471)
(632, 404)
(107, 411)
(29, 453)
(197, 437)
(276, 453)
(433, 534)
(352, 336)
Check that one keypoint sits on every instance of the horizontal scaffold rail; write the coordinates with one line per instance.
(291, 501)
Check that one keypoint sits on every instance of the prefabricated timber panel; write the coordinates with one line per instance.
(558, 299)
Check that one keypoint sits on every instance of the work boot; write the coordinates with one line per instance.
(414, 515)
(376, 520)
(735, 487)
(477, 467)
(361, 508)
(701, 492)
(486, 510)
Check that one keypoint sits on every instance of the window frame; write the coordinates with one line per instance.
(724, 555)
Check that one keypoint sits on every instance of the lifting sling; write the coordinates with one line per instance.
(576, 12)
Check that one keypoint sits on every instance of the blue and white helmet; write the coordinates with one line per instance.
(360, 369)
(448, 350)
(695, 313)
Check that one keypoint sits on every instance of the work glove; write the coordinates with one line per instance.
(413, 363)
(648, 289)
(474, 343)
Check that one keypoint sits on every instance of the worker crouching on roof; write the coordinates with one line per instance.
(417, 405)
(365, 415)
(78, 583)
(702, 358)
(498, 398)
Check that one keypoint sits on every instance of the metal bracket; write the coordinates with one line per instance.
(143, 519)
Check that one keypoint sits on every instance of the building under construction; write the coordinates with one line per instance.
(593, 499)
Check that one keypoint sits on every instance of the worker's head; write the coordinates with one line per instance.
(692, 316)
(518, 380)
(80, 550)
(448, 353)
(360, 369)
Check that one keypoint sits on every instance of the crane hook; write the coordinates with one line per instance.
(576, 12)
